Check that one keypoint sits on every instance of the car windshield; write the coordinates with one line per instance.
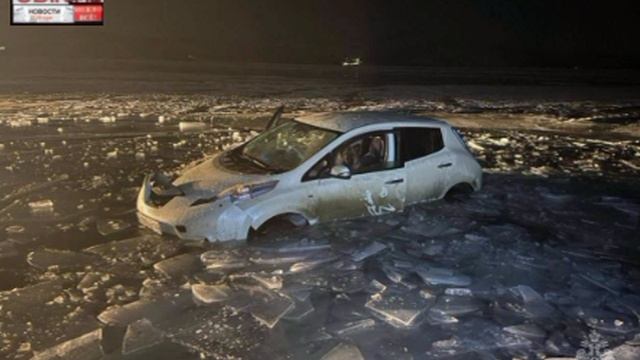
(286, 146)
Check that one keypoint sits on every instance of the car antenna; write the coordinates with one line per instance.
(275, 118)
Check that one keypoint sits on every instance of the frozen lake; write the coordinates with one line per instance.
(546, 253)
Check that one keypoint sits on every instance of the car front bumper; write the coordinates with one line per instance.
(220, 220)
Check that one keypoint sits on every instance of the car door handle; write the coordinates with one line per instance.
(444, 165)
(394, 181)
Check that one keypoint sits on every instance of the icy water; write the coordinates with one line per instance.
(528, 267)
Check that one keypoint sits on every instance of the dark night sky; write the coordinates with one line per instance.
(562, 33)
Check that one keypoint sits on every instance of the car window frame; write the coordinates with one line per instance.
(331, 154)
(399, 140)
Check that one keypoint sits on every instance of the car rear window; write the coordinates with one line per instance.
(419, 142)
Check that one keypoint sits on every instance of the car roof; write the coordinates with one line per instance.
(349, 120)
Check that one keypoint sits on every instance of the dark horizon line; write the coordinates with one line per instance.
(337, 63)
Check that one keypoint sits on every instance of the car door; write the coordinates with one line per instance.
(371, 190)
(426, 161)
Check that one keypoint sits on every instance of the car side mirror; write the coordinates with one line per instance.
(340, 172)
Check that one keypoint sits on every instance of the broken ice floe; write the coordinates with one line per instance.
(41, 206)
(349, 328)
(112, 227)
(271, 307)
(456, 305)
(141, 335)
(147, 249)
(524, 302)
(192, 126)
(62, 259)
(223, 260)
(441, 276)
(343, 351)
(304, 245)
(368, 251)
(87, 347)
(153, 309)
(399, 309)
(209, 294)
(312, 262)
(530, 331)
(180, 266)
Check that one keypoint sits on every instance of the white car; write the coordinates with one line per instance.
(312, 169)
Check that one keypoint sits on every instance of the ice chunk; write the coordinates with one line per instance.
(351, 327)
(24, 300)
(298, 291)
(92, 280)
(312, 263)
(397, 308)
(343, 351)
(192, 126)
(530, 304)
(155, 308)
(375, 286)
(140, 156)
(41, 205)
(368, 251)
(112, 154)
(20, 123)
(441, 276)
(301, 309)
(474, 146)
(438, 317)
(605, 321)
(85, 347)
(270, 308)
(211, 277)
(278, 258)
(14, 229)
(349, 282)
(209, 294)
(43, 259)
(223, 260)
(272, 282)
(140, 335)
(144, 250)
(107, 119)
(456, 305)
(179, 266)
(216, 333)
(393, 274)
(458, 292)
(111, 227)
(304, 245)
(530, 331)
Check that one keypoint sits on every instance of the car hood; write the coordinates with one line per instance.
(210, 178)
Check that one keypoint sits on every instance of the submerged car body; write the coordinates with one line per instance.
(312, 169)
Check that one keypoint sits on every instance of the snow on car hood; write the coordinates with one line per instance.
(210, 178)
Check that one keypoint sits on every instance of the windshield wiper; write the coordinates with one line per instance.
(253, 160)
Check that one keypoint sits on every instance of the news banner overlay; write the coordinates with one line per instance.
(57, 12)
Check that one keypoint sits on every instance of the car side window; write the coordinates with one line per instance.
(419, 142)
(365, 153)
(320, 170)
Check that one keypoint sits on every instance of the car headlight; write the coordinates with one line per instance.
(251, 191)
